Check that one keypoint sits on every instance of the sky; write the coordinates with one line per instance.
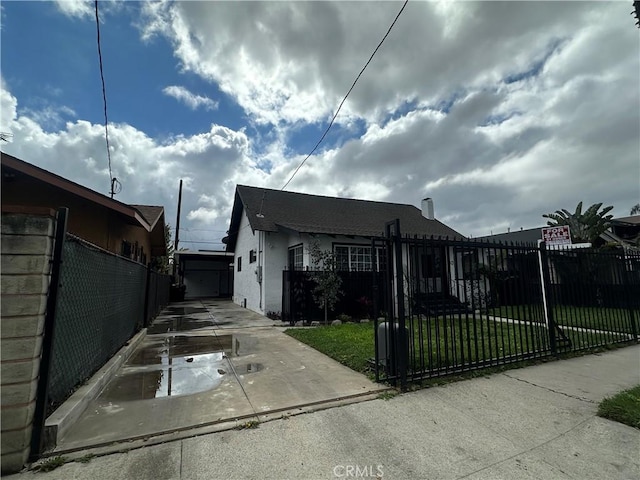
(499, 111)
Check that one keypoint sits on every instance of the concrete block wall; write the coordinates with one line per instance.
(27, 246)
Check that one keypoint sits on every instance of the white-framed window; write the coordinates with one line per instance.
(295, 257)
(358, 258)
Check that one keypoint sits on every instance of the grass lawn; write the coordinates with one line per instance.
(445, 342)
(351, 344)
(435, 344)
(623, 407)
(606, 319)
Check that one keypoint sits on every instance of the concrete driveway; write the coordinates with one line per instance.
(206, 366)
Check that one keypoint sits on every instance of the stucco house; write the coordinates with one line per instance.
(271, 231)
(132, 231)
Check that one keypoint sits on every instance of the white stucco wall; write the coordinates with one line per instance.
(245, 284)
(273, 255)
(275, 261)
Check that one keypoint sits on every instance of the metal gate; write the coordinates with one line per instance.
(455, 305)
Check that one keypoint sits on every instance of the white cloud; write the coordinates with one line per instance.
(149, 171)
(437, 117)
(76, 8)
(191, 100)
(85, 9)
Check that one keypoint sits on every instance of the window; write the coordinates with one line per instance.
(467, 264)
(295, 258)
(354, 258)
(252, 256)
(239, 264)
(125, 249)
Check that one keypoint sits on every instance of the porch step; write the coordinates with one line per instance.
(439, 304)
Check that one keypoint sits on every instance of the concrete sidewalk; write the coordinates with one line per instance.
(533, 423)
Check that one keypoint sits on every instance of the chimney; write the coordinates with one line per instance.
(427, 209)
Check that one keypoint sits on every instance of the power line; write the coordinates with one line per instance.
(345, 97)
(112, 181)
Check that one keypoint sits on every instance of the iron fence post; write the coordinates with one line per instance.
(627, 288)
(546, 283)
(40, 412)
(400, 340)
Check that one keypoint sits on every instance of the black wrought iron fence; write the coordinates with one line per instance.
(100, 306)
(358, 296)
(458, 305)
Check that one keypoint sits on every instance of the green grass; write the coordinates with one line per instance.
(444, 343)
(454, 341)
(351, 344)
(623, 407)
(596, 318)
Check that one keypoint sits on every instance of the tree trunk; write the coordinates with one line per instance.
(326, 314)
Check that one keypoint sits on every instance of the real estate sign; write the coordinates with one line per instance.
(559, 235)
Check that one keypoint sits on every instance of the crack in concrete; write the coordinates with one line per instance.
(582, 399)
(527, 450)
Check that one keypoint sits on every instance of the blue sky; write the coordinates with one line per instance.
(57, 58)
(499, 111)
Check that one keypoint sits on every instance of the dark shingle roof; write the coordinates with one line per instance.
(330, 215)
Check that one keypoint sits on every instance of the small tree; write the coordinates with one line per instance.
(585, 227)
(163, 263)
(635, 210)
(327, 290)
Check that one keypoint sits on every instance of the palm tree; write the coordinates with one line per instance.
(584, 227)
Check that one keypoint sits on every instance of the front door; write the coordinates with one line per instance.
(434, 269)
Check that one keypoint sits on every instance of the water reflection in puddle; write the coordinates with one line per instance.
(248, 368)
(180, 345)
(174, 376)
(178, 324)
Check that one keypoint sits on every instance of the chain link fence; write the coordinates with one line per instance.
(101, 305)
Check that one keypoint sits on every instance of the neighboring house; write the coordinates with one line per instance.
(132, 231)
(624, 231)
(271, 230)
(205, 273)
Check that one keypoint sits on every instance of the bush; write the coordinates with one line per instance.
(344, 318)
(274, 315)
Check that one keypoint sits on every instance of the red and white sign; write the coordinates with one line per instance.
(559, 235)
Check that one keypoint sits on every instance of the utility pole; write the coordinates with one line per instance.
(175, 243)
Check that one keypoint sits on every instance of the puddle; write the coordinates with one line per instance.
(176, 376)
(178, 324)
(162, 349)
(184, 310)
(248, 368)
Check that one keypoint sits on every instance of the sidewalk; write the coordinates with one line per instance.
(533, 423)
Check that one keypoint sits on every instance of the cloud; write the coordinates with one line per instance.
(500, 111)
(148, 169)
(85, 9)
(76, 8)
(190, 99)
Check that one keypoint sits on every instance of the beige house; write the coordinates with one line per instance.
(132, 231)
